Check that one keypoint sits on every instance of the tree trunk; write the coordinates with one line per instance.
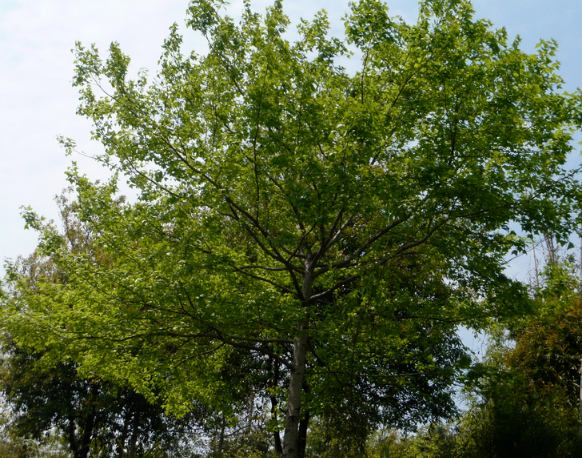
(134, 433)
(278, 445)
(221, 437)
(123, 437)
(71, 430)
(290, 441)
(274, 403)
(302, 439)
(87, 436)
(89, 424)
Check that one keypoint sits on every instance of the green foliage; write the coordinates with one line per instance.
(326, 231)
(524, 398)
(529, 396)
(92, 417)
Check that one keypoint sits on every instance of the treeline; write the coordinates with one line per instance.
(522, 399)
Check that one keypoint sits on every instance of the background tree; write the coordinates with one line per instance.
(530, 399)
(93, 417)
(524, 397)
(14, 445)
(333, 226)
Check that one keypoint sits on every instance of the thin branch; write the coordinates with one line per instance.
(253, 339)
(274, 269)
(266, 280)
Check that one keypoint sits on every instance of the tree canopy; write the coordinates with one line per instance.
(300, 230)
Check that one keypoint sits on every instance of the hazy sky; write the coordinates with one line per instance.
(37, 102)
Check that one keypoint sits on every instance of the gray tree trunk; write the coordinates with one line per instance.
(291, 438)
(290, 441)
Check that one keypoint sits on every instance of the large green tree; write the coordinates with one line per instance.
(325, 229)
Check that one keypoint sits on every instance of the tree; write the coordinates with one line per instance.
(331, 227)
(526, 400)
(94, 417)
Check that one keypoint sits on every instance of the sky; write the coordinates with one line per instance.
(38, 103)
